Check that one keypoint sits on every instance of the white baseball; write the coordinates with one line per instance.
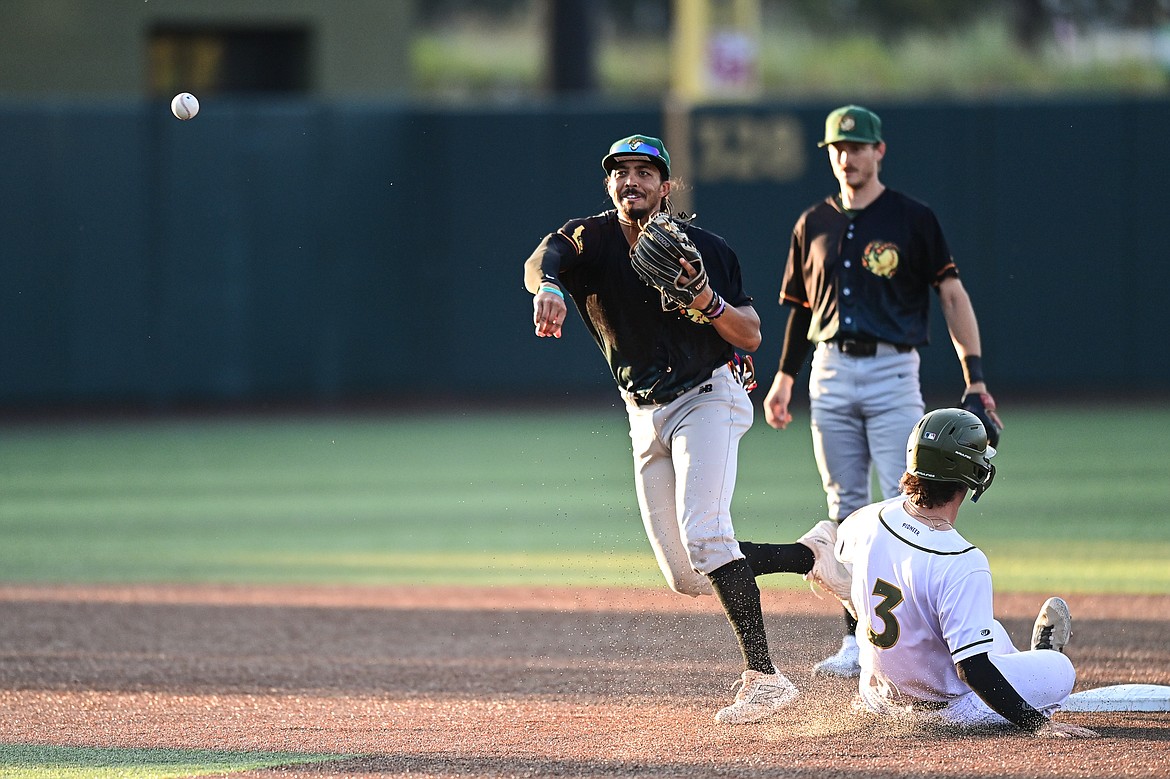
(184, 105)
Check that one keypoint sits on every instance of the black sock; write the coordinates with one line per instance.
(850, 624)
(735, 585)
(777, 558)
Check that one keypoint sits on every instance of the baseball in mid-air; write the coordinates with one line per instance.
(184, 105)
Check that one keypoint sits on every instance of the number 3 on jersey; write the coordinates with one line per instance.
(890, 596)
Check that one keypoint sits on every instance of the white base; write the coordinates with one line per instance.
(1121, 697)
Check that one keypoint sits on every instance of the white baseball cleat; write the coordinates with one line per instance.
(846, 664)
(760, 696)
(828, 572)
(1053, 626)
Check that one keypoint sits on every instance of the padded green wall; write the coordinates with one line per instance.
(329, 252)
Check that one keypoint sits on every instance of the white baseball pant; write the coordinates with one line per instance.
(1042, 677)
(686, 455)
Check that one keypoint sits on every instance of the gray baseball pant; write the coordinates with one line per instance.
(863, 409)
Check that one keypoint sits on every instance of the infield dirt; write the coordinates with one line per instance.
(510, 682)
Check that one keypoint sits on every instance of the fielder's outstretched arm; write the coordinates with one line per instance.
(541, 270)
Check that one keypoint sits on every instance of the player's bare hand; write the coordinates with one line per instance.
(1052, 729)
(776, 403)
(548, 314)
(776, 414)
(706, 293)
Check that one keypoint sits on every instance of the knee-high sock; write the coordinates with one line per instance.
(785, 558)
(777, 558)
(735, 586)
(850, 623)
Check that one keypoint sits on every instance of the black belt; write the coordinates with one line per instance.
(857, 347)
(662, 398)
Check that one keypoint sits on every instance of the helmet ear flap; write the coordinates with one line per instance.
(950, 444)
(985, 485)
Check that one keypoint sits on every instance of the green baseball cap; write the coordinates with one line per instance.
(852, 123)
(638, 147)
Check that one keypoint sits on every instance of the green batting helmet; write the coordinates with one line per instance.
(950, 444)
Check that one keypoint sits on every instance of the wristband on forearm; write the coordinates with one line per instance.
(973, 369)
(715, 308)
(551, 284)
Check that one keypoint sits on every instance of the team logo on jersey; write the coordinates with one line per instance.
(577, 238)
(881, 259)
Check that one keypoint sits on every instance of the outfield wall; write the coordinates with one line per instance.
(293, 251)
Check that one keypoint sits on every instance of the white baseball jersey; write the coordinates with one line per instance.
(924, 602)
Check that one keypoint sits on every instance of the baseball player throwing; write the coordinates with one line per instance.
(670, 343)
(930, 646)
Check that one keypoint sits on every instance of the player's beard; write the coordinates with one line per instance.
(640, 210)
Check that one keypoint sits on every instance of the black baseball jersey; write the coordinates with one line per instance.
(653, 354)
(867, 273)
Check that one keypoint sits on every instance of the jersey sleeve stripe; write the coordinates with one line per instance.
(573, 244)
(965, 648)
(950, 269)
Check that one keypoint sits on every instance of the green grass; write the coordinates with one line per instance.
(976, 61)
(509, 498)
(504, 57)
(23, 761)
(501, 498)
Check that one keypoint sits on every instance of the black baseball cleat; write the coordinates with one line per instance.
(1053, 626)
